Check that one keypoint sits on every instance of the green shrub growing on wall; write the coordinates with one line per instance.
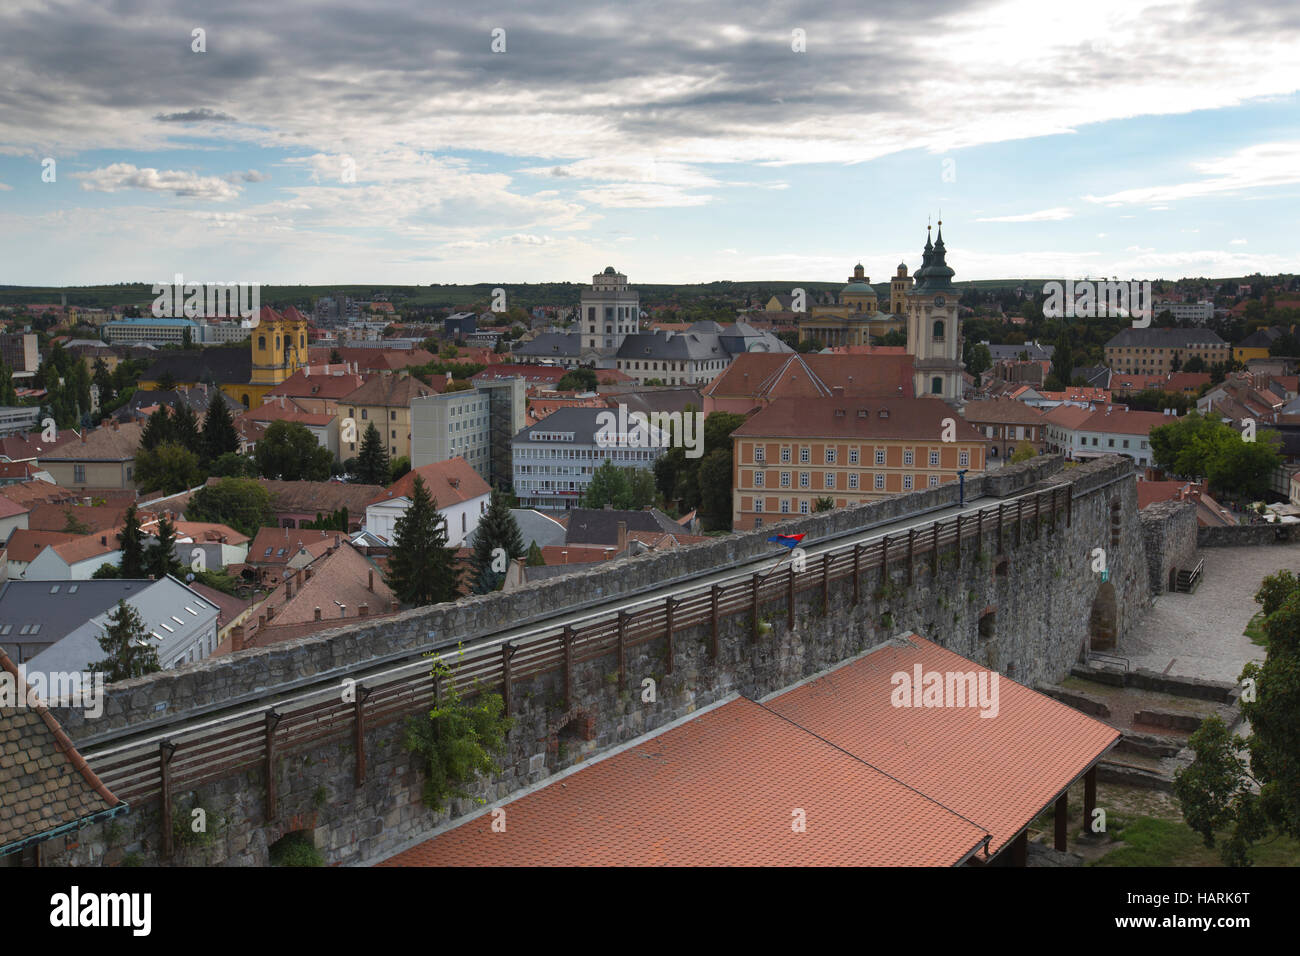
(457, 738)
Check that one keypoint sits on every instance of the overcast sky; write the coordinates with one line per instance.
(385, 141)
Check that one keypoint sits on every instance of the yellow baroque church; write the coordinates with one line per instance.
(276, 349)
(856, 317)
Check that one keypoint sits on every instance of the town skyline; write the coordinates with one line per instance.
(681, 144)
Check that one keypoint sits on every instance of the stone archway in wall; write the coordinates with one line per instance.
(1103, 622)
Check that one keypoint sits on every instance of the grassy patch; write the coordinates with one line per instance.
(1255, 630)
(1149, 841)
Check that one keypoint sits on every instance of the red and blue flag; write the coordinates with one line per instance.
(789, 540)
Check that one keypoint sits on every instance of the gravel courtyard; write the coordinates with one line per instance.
(1200, 635)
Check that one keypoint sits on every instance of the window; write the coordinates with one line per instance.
(805, 455)
(758, 479)
(934, 459)
(936, 386)
(803, 506)
(79, 474)
(785, 479)
(908, 457)
(785, 454)
(829, 480)
(907, 482)
(785, 506)
(365, 413)
(853, 481)
(830, 456)
(853, 456)
(760, 453)
(880, 456)
(805, 480)
(934, 481)
(938, 331)
(963, 459)
(880, 482)
(758, 505)
(392, 416)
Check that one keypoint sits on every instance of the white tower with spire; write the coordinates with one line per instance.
(933, 328)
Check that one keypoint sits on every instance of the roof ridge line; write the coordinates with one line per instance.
(988, 833)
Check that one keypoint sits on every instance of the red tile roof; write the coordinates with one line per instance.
(720, 789)
(906, 418)
(449, 482)
(1000, 771)
(24, 544)
(772, 375)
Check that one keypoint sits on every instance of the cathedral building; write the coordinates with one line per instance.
(924, 305)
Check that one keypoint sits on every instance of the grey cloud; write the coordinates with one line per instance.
(203, 114)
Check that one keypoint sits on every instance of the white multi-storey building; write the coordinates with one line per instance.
(555, 459)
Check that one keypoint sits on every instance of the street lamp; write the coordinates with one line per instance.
(961, 487)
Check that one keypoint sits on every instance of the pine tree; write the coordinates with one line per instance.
(126, 645)
(8, 396)
(185, 428)
(160, 558)
(535, 557)
(420, 567)
(158, 429)
(498, 530)
(372, 460)
(219, 434)
(132, 543)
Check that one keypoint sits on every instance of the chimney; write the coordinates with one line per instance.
(318, 614)
(307, 570)
(363, 610)
(343, 610)
(237, 638)
(288, 588)
(270, 612)
(393, 606)
(622, 536)
(370, 584)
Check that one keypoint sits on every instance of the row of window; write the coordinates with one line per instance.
(830, 480)
(832, 455)
(584, 454)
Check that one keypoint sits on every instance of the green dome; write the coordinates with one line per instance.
(859, 288)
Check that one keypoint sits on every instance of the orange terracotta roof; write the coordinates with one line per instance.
(720, 789)
(449, 482)
(1000, 771)
(24, 544)
(908, 418)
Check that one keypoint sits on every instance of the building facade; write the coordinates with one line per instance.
(609, 311)
(1160, 351)
(555, 459)
(795, 452)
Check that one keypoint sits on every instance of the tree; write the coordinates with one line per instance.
(157, 429)
(577, 380)
(398, 467)
(106, 571)
(219, 434)
(1062, 362)
(1250, 787)
(1024, 451)
(609, 486)
(535, 557)
(289, 452)
(131, 542)
(167, 382)
(372, 466)
(978, 360)
(824, 504)
(160, 556)
(233, 465)
(456, 739)
(185, 428)
(168, 468)
(104, 381)
(125, 642)
(8, 395)
(1194, 364)
(421, 566)
(1199, 447)
(240, 503)
(73, 524)
(497, 542)
(336, 357)
(715, 490)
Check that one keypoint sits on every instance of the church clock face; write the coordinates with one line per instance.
(938, 302)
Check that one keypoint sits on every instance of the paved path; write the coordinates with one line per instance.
(1200, 635)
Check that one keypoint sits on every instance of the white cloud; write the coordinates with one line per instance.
(119, 176)
(1054, 214)
(1252, 167)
